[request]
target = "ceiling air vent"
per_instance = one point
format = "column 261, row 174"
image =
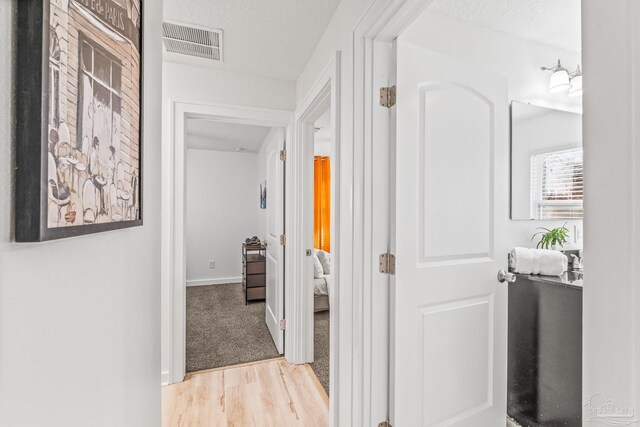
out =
column 193, row 41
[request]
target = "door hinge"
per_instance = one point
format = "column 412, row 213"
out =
column 283, row 239
column 385, row 424
column 283, row 155
column 388, row 96
column 283, row 324
column 388, row 264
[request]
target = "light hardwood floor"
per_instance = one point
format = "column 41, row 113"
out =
column 268, row 393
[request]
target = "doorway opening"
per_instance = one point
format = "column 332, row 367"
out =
column 457, row 69
column 322, row 259
column 493, row 106
column 238, row 133
column 317, row 298
column 234, row 216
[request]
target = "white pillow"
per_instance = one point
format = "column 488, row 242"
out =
column 318, row 272
column 325, row 260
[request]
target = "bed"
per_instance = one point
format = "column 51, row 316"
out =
column 321, row 294
column 322, row 280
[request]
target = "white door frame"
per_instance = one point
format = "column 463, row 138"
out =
column 372, row 205
column 173, row 211
column 323, row 94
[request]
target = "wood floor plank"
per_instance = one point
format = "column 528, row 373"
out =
column 239, row 376
column 318, row 385
column 304, row 393
column 262, row 394
column 239, row 405
column 209, row 401
column 274, row 396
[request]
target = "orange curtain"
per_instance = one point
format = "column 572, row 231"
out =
column 322, row 203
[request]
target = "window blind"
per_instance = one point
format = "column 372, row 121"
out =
column 557, row 184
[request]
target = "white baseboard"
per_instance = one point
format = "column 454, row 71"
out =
column 221, row 281
column 164, row 378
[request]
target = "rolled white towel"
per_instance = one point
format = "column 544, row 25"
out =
column 538, row 261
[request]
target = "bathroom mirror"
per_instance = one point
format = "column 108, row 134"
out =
column 546, row 163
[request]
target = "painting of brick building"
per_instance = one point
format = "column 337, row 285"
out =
column 94, row 110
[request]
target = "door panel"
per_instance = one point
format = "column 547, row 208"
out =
column 451, row 186
column 456, row 387
column 460, row 157
column 275, row 252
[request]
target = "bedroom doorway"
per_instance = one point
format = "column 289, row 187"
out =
column 234, row 216
column 322, row 262
column 316, row 290
column 242, row 134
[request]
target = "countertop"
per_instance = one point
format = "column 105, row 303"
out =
column 571, row 279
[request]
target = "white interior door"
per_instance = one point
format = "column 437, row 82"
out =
column 275, row 251
column 449, row 311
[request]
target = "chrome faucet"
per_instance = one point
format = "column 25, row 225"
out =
column 576, row 264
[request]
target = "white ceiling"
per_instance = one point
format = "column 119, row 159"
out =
column 264, row 37
column 551, row 22
column 210, row 135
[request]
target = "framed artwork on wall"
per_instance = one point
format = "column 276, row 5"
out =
column 263, row 195
column 78, row 117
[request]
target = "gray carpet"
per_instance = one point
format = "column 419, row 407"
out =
column 320, row 365
column 222, row 330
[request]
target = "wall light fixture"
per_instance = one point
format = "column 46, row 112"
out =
column 562, row 81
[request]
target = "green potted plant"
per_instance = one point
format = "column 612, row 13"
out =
column 553, row 238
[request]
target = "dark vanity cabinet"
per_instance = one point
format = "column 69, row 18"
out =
column 544, row 380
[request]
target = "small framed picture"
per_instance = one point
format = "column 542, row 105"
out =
column 263, row 195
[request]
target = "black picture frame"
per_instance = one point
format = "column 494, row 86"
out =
column 31, row 183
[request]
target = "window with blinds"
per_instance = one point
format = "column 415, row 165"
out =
column 557, row 187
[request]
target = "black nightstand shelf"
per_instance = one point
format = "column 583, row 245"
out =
column 254, row 271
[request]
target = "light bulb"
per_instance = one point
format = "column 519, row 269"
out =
column 559, row 81
column 576, row 83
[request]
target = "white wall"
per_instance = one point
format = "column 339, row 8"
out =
column 322, row 148
column 200, row 85
column 221, row 205
column 517, row 59
column 322, row 135
column 79, row 317
column 611, row 297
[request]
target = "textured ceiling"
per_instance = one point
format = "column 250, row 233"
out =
column 551, row 22
column 210, row 135
column 264, row 37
